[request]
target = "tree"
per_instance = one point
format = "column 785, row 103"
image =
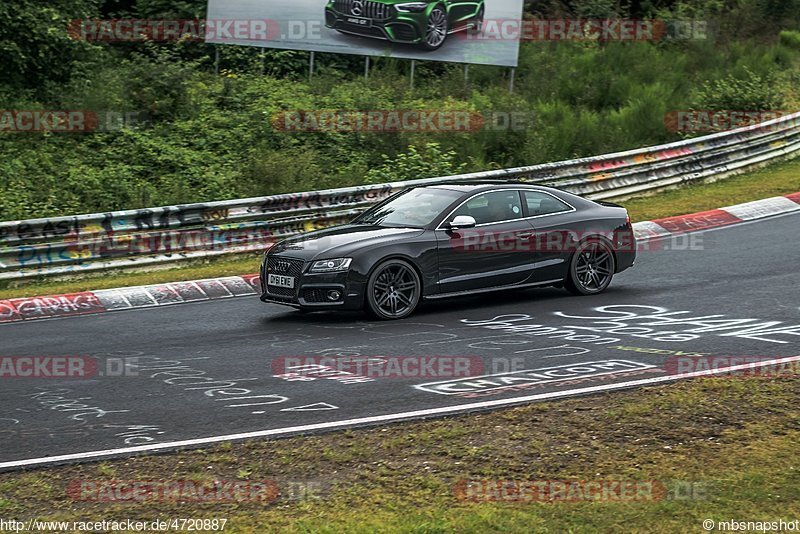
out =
column 36, row 50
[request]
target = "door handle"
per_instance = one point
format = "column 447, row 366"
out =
column 525, row 235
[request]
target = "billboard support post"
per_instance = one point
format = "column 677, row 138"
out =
column 411, row 85
column 466, row 75
column 216, row 60
column 366, row 68
column 310, row 65
column 511, row 80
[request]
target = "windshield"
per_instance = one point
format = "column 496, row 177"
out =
column 416, row 208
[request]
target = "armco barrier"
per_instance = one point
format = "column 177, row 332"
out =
column 63, row 245
column 128, row 298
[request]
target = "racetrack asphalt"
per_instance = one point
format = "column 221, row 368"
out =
column 196, row 373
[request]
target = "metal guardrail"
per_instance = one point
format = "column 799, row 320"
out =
column 64, row 245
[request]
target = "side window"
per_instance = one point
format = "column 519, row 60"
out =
column 492, row 207
column 543, row 204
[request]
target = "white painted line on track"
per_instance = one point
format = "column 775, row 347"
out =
column 382, row 418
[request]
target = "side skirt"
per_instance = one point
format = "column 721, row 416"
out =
column 491, row 289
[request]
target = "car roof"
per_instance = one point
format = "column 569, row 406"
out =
column 466, row 187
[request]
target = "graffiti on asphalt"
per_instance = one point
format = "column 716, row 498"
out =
column 530, row 377
column 653, row 323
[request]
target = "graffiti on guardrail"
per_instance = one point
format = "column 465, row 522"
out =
column 172, row 233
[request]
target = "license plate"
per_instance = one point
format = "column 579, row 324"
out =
column 358, row 21
column 280, row 281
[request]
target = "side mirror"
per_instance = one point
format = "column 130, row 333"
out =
column 462, row 221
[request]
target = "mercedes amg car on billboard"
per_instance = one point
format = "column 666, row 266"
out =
column 476, row 32
column 426, row 24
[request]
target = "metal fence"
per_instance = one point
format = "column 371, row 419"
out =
column 63, row 245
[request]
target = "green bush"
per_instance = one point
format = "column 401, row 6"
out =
column 790, row 39
column 749, row 93
column 429, row 162
column 212, row 137
column 36, row 50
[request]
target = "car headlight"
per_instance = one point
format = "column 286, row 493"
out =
column 327, row 266
column 411, row 7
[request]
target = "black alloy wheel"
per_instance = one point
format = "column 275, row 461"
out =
column 393, row 290
column 591, row 268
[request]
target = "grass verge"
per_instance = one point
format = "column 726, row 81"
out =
column 232, row 265
column 724, row 447
column 777, row 179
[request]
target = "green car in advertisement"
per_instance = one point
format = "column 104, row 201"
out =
column 426, row 24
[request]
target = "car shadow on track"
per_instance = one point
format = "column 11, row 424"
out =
column 531, row 299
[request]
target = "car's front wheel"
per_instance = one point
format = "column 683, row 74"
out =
column 436, row 28
column 393, row 290
column 591, row 268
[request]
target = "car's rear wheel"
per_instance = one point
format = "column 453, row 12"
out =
column 591, row 268
column 393, row 290
column 436, row 28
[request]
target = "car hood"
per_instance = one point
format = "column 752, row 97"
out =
column 339, row 241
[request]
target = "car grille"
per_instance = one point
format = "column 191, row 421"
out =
column 315, row 295
column 404, row 32
column 369, row 9
column 361, row 30
column 292, row 268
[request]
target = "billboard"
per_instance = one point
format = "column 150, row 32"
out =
column 439, row 30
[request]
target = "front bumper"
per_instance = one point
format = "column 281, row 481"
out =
column 311, row 290
column 387, row 24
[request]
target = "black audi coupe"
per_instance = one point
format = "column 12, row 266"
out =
column 446, row 240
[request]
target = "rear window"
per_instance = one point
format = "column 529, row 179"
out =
column 543, row 204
